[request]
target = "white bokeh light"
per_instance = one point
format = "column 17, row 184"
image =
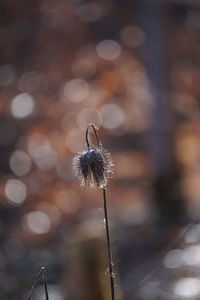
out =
column 108, row 49
column 45, row 157
column 22, row 106
column 173, row 259
column 76, row 90
column 38, row 222
column 113, row 116
column 20, row 163
column 193, row 235
column 15, row 191
column 191, row 255
column 188, row 287
column 87, row 116
column 42, row 152
column 36, row 140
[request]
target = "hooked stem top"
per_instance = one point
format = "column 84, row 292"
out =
column 87, row 135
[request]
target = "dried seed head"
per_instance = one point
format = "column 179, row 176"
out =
column 94, row 167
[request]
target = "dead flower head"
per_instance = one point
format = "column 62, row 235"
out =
column 93, row 166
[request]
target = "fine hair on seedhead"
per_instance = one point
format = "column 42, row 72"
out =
column 93, row 166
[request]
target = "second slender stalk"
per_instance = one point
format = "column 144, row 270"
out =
column 45, row 285
column 43, row 274
column 110, row 263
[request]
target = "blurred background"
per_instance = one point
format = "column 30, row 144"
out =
column 132, row 69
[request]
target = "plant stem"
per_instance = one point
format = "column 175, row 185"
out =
column 42, row 272
column 35, row 282
column 45, row 285
column 110, row 263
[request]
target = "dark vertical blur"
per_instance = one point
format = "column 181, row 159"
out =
column 152, row 17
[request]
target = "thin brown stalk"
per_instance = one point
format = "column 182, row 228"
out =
column 110, row 263
column 94, row 167
column 45, row 284
column 41, row 273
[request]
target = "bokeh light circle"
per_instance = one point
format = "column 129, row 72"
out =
column 20, row 163
column 15, row 191
column 187, row 287
column 22, row 106
column 108, row 49
column 87, row 116
column 76, row 90
column 113, row 116
column 173, row 259
column 38, row 222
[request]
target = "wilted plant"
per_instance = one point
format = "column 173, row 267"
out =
column 94, row 166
